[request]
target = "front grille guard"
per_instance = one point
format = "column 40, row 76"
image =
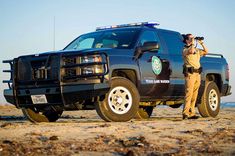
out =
column 10, row 81
column 14, row 83
column 13, row 72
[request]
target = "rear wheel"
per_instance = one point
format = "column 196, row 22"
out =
column 47, row 115
column 210, row 102
column 121, row 103
column 144, row 112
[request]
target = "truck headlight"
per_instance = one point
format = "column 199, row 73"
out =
column 91, row 59
column 94, row 69
column 76, row 66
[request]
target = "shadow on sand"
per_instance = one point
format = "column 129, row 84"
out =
column 12, row 118
column 81, row 119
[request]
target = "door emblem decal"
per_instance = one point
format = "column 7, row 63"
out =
column 156, row 65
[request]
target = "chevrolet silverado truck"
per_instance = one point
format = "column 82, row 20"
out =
column 121, row 71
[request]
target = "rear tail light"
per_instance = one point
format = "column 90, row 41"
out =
column 227, row 73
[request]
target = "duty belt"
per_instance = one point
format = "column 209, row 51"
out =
column 197, row 70
column 191, row 70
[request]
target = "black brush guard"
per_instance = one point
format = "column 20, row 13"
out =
column 37, row 75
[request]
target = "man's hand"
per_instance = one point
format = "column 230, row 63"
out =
column 205, row 50
column 200, row 41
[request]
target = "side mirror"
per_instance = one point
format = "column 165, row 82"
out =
column 150, row 46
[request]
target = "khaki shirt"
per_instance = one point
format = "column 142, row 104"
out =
column 192, row 60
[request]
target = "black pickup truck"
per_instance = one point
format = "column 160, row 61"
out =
column 122, row 71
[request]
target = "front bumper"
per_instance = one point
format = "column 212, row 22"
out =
column 76, row 93
column 61, row 95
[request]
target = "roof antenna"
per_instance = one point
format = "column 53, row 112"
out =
column 54, row 34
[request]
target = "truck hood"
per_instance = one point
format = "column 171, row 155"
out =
column 70, row 51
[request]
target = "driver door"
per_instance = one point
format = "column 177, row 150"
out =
column 154, row 69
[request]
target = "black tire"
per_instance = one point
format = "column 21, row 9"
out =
column 49, row 115
column 175, row 105
column 114, row 107
column 144, row 112
column 210, row 101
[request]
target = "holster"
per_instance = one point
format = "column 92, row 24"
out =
column 191, row 70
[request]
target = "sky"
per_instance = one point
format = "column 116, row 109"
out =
column 27, row 27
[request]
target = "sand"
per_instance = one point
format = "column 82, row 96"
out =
column 84, row 133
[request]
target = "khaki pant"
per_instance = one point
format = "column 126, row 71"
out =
column 192, row 84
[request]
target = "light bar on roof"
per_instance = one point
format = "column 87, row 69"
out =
column 148, row 24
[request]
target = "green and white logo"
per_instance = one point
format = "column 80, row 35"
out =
column 156, row 65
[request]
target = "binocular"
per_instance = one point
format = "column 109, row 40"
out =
column 199, row 38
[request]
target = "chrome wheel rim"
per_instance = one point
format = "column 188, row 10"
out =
column 120, row 100
column 213, row 100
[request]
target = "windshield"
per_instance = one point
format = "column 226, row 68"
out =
column 120, row 39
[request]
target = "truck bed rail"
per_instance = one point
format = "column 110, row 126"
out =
column 215, row 55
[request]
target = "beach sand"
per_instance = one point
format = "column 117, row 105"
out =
column 84, row 133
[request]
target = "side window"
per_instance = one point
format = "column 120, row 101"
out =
column 173, row 42
column 148, row 36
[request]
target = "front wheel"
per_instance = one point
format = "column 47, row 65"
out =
column 210, row 102
column 47, row 115
column 121, row 103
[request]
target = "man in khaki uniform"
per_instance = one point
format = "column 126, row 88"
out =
column 192, row 70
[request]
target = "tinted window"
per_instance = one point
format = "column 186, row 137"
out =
column 120, row 39
column 147, row 36
column 173, row 41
